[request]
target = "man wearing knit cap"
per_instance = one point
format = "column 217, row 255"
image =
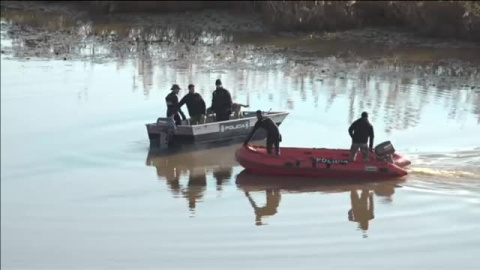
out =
column 172, row 105
column 221, row 102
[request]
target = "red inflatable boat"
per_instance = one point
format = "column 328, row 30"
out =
column 319, row 163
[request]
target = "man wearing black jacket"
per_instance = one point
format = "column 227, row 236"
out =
column 360, row 131
column 221, row 102
column 273, row 134
column 172, row 105
column 195, row 104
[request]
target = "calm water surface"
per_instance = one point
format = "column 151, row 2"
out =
column 80, row 187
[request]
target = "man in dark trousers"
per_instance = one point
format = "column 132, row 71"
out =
column 360, row 131
column 273, row 134
column 221, row 102
column 195, row 104
column 172, row 105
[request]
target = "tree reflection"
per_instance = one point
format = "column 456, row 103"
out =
column 393, row 85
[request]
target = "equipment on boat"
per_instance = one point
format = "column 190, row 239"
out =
column 384, row 151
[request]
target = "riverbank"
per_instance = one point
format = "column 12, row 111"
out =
column 268, row 18
column 222, row 40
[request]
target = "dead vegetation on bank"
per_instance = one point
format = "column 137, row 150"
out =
column 447, row 19
column 444, row 19
column 164, row 6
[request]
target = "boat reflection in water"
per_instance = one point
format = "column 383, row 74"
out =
column 361, row 193
column 186, row 170
column 194, row 163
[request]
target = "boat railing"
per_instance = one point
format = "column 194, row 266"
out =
column 210, row 120
column 272, row 114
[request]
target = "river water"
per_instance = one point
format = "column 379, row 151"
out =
column 80, row 187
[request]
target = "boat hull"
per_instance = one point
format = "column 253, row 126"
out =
column 324, row 163
column 231, row 130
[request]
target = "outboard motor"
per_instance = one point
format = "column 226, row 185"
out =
column 384, row 151
column 167, row 133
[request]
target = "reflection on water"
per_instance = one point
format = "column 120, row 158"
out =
column 197, row 181
column 222, row 176
column 391, row 84
column 362, row 208
column 192, row 164
column 272, row 202
column 361, row 194
column 76, row 183
column 186, row 173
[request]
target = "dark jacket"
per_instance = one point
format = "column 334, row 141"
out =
column 272, row 129
column 361, row 130
column 195, row 104
column 221, row 101
column 172, row 105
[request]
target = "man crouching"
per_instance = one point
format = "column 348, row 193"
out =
column 273, row 134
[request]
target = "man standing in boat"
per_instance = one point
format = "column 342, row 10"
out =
column 360, row 131
column 273, row 134
column 221, row 102
column 172, row 105
column 195, row 104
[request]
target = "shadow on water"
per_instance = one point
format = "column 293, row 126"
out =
column 361, row 193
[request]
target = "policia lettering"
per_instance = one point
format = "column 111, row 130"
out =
column 330, row 161
column 316, row 161
column 236, row 126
